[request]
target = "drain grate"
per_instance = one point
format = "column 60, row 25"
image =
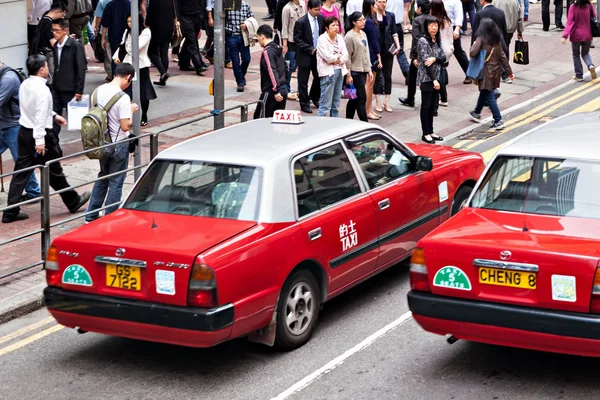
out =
column 478, row 135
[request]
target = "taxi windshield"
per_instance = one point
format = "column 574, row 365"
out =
column 199, row 188
column 549, row 186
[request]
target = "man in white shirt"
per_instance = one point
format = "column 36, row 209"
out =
column 454, row 9
column 37, row 144
column 119, row 123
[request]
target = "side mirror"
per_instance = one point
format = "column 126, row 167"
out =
column 423, row 163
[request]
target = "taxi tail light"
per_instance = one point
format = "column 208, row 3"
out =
column 418, row 271
column 53, row 275
column 595, row 303
column 203, row 287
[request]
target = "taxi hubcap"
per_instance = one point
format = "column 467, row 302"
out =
column 299, row 308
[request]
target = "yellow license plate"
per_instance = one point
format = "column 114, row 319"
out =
column 123, row 277
column 504, row 277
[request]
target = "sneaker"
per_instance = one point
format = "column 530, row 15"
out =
column 269, row 16
column 578, row 78
column 497, row 126
column 507, row 80
column 240, row 88
column 592, row 70
column 475, row 117
column 443, row 103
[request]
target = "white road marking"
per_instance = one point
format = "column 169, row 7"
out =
column 340, row 359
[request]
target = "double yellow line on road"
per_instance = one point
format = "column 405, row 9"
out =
column 537, row 113
column 30, row 339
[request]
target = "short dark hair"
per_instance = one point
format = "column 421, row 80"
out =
column 330, row 20
column 124, row 69
column 424, row 5
column 314, row 3
column 265, row 30
column 35, row 63
column 59, row 5
column 62, row 22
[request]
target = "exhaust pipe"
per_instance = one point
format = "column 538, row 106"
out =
column 451, row 339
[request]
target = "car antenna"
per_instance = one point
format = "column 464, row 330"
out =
column 154, row 226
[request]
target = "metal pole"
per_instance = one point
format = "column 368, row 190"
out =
column 219, row 43
column 45, row 205
column 135, row 35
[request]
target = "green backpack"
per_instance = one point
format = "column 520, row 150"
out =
column 94, row 127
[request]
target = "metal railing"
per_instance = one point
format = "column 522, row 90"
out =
column 44, row 199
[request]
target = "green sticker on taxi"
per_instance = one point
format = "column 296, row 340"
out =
column 76, row 275
column 453, row 278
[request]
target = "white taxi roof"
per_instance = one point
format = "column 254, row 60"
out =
column 571, row 136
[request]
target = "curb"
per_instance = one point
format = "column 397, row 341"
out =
column 25, row 302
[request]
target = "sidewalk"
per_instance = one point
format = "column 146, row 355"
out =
column 186, row 96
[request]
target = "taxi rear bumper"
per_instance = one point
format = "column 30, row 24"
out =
column 155, row 322
column 507, row 325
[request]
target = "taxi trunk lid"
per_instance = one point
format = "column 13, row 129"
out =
column 141, row 255
column 533, row 260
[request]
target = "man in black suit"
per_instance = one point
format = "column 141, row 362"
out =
column 306, row 32
column 69, row 69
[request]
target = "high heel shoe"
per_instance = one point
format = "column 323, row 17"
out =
column 378, row 109
column 387, row 107
column 423, row 138
column 373, row 117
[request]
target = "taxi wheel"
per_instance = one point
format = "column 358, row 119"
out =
column 297, row 311
column 460, row 199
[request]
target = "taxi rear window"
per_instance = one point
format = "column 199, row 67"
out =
column 549, row 186
column 199, row 188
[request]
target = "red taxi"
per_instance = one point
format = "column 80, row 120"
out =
column 519, row 265
column 248, row 230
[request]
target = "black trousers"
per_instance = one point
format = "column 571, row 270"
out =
column 190, row 28
column 59, row 103
column 158, row 51
column 31, row 29
column 271, row 105
column 460, row 54
column 386, row 76
column 28, row 158
column 315, row 88
column 412, row 83
column 507, row 40
column 558, row 12
column 358, row 105
column 429, row 99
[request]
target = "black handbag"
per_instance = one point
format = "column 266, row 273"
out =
column 595, row 24
column 521, row 55
column 122, row 49
column 443, row 76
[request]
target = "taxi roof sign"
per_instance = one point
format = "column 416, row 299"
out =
column 287, row 117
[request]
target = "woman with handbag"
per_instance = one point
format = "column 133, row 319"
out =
column 431, row 58
column 579, row 31
column 371, row 29
column 447, row 42
column 358, row 64
column 124, row 54
column 489, row 40
column 331, row 64
column 161, row 21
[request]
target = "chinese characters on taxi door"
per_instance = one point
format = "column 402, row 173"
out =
column 348, row 235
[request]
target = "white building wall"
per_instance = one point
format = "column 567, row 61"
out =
column 13, row 39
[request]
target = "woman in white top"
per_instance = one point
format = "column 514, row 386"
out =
column 332, row 56
column 147, row 92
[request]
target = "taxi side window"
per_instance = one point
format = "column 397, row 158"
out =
column 324, row 178
column 381, row 161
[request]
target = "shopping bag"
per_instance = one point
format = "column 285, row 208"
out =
column 521, row 55
column 76, row 110
column 349, row 91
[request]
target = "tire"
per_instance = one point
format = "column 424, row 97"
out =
column 300, row 300
column 461, row 196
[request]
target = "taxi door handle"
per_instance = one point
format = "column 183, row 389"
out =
column 383, row 204
column 314, row 234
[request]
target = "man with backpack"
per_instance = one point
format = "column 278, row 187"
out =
column 37, row 143
column 114, row 109
column 10, row 81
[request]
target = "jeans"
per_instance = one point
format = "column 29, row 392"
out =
column 291, row 57
column 488, row 97
column 581, row 50
column 469, row 8
column 118, row 161
column 90, row 32
column 331, row 93
column 240, row 57
column 9, row 139
column 401, row 56
column 526, row 10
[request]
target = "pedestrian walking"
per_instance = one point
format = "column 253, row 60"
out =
column 558, row 12
column 189, row 13
column 579, row 31
column 514, row 23
column 119, row 123
column 239, row 51
column 291, row 13
column 417, row 31
column 37, row 144
column 160, row 19
column 100, row 7
column 114, row 24
column 447, row 33
column 272, row 73
column 43, row 42
column 10, row 82
column 147, row 92
column 70, row 65
column 492, row 12
column 37, row 11
column 306, row 35
column 78, row 15
column 332, row 56
column 397, row 7
column 453, row 9
column 374, row 41
column 358, row 65
column 468, row 7
column 489, row 39
column 431, row 58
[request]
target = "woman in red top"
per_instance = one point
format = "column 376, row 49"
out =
column 579, row 30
